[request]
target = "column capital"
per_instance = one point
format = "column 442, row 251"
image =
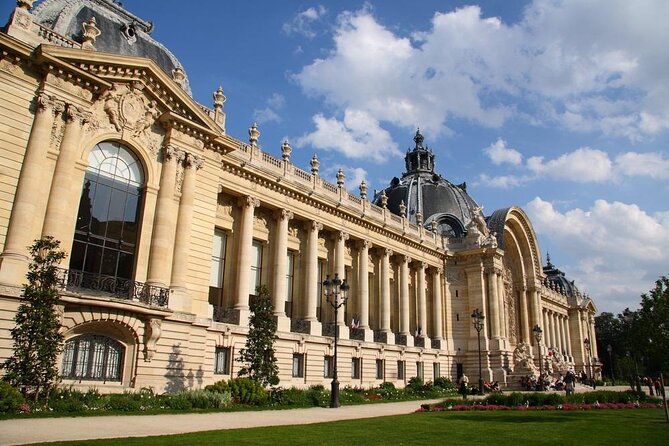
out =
column 313, row 226
column 76, row 114
column 193, row 161
column 436, row 270
column 341, row 236
column 248, row 201
column 362, row 244
column 171, row 152
column 283, row 214
column 47, row 102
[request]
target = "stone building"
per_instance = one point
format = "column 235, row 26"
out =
column 170, row 224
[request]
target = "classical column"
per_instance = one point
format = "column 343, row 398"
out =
column 363, row 283
column 162, row 238
column 14, row 258
column 547, row 329
column 311, row 286
column 593, row 338
column 384, row 307
column 437, row 305
column 567, row 331
column 248, row 205
column 555, row 332
column 536, row 306
column 493, row 303
column 182, row 237
column 421, row 301
column 59, row 220
column 340, row 266
column 404, row 296
column 503, row 318
column 524, row 320
column 563, row 341
column 279, row 288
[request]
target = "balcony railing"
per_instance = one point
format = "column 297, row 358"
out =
column 78, row 281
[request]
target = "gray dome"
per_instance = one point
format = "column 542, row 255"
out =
column 557, row 280
column 121, row 31
column 427, row 195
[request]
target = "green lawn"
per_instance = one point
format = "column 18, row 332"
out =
column 496, row 428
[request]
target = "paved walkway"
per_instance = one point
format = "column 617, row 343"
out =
column 34, row 430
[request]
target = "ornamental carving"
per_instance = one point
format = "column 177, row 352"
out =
column 152, row 331
column 522, row 361
column 127, row 107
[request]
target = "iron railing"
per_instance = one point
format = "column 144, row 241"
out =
column 127, row 289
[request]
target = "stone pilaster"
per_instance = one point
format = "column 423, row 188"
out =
column 245, row 242
column 279, row 289
column 437, row 307
column 311, row 286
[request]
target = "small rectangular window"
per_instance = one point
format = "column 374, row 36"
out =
column 400, row 369
column 356, row 368
column 222, row 361
column 298, row 365
column 328, row 366
column 217, row 259
column 436, row 369
column 419, row 370
column 379, row 369
column 256, row 267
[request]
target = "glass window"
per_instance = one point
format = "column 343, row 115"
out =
column 93, row 357
column 400, row 369
column 222, row 361
column 379, row 369
column 256, row 267
column 298, row 365
column 356, row 368
column 419, row 370
column 328, row 366
column 107, row 226
column 436, row 369
column 290, row 272
column 218, row 259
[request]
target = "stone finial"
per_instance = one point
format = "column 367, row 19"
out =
column 403, row 209
column 179, row 76
column 419, row 218
column 219, row 99
column 315, row 164
column 363, row 190
column 254, row 134
column 384, row 199
column 91, row 33
column 340, row 177
column 25, row 4
column 286, row 150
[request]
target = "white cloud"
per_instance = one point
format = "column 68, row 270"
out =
column 353, row 177
column 582, row 165
column 616, row 249
column 589, row 66
column 500, row 182
column 358, row 136
column 499, row 153
column 304, row 22
column 653, row 165
column 270, row 113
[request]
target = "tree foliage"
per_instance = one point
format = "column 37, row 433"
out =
column 36, row 337
column 258, row 354
column 639, row 339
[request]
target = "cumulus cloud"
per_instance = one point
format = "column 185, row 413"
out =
column 305, row 21
column 353, row 176
column 357, row 136
column 594, row 237
column 499, row 153
column 653, row 165
column 583, row 165
column 501, row 182
column 597, row 66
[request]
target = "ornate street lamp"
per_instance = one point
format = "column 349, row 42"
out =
column 537, row 335
column 336, row 295
column 613, row 376
column 477, row 320
column 586, row 343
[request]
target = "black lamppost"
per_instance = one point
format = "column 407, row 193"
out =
column 477, row 319
column 613, row 375
column 586, row 343
column 336, row 295
column 537, row 335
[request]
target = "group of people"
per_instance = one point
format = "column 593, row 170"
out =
column 654, row 385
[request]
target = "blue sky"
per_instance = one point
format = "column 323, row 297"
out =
column 560, row 107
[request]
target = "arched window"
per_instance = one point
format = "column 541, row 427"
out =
column 93, row 357
column 105, row 237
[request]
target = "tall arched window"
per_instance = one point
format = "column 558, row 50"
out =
column 105, row 237
column 93, row 357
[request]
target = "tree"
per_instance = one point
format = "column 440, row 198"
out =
column 258, row 354
column 654, row 324
column 36, row 336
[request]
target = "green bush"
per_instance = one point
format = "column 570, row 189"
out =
column 124, row 402
column 292, row 397
column 179, row 401
column 205, row 399
column 10, row 398
column 243, row 390
column 444, row 383
column 318, row 396
column 352, row 395
column 415, row 384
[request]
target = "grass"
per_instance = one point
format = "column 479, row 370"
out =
column 501, row 428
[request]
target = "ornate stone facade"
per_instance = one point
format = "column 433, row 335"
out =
column 214, row 216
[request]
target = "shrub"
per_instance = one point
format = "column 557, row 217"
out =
column 200, row 399
column 318, row 396
column 292, row 397
column 242, row 390
column 444, row 383
column 352, row 395
column 10, row 398
column 415, row 384
column 124, row 402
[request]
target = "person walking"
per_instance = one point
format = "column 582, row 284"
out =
column 464, row 382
